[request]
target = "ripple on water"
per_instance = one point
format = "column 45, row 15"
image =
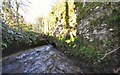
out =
column 23, row 60
column 38, row 62
column 42, row 59
column 51, row 53
column 49, row 62
column 21, row 56
column 11, row 67
column 41, row 67
column 32, row 53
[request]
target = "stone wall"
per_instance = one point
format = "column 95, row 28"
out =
column 87, row 32
column 96, row 27
column 91, row 22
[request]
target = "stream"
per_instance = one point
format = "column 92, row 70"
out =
column 43, row 59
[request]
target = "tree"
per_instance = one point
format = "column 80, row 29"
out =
column 40, row 25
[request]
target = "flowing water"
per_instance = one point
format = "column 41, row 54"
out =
column 43, row 59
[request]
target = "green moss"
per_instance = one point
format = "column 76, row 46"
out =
column 78, row 46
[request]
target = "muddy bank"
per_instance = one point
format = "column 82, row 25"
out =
column 14, row 47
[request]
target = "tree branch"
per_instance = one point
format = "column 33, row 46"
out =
column 107, row 54
column 110, row 52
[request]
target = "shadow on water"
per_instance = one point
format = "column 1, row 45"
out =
column 14, row 48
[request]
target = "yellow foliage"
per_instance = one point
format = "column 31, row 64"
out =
column 68, row 41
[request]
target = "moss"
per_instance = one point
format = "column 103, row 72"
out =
column 77, row 45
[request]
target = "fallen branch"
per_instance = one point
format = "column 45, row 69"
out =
column 107, row 54
column 110, row 52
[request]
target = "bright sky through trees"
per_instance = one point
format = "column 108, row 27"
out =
column 36, row 9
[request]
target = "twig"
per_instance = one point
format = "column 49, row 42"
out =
column 107, row 54
column 110, row 52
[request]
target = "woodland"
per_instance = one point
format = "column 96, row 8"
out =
column 86, row 31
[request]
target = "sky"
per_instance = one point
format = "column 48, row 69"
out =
column 36, row 9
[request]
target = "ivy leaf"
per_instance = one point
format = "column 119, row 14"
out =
column 72, row 39
column 67, row 41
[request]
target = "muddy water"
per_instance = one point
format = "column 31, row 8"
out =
column 43, row 59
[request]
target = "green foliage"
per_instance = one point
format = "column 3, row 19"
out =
column 84, row 11
column 14, row 30
column 77, row 45
column 11, row 35
column 114, row 19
